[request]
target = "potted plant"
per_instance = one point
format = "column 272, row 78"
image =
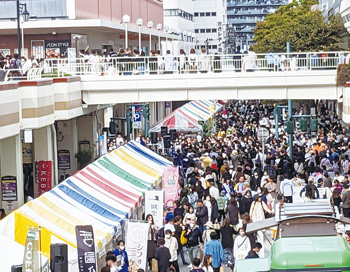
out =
column 84, row 157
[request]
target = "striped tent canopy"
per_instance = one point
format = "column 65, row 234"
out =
column 179, row 121
column 103, row 195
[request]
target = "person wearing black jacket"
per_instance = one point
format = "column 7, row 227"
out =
column 227, row 240
column 254, row 252
column 214, row 210
column 194, row 238
column 245, row 203
column 202, row 215
column 163, row 256
column 178, row 232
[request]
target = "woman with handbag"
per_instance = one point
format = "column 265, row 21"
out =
column 258, row 209
column 151, row 244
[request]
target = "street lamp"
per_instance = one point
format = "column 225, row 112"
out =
column 21, row 10
column 126, row 20
column 150, row 25
column 166, row 30
column 139, row 22
column 159, row 27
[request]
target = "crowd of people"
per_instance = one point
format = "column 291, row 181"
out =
column 228, row 182
column 19, row 66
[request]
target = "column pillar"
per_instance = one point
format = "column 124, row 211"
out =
column 45, row 150
column 11, row 165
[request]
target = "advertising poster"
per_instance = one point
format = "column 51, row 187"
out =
column 170, row 185
column 27, row 153
column 136, row 244
column 31, row 256
column 9, row 188
column 63, row 159
column 44, row 176
column 137, row 116
column 86, row 248
column 56, row 48
column 154, row 206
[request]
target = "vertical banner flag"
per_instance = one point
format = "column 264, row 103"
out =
column 86, row 248
column 44, row 176
column 31, row 256
column 136, row 244
column 154, row 205
column 170, row 185
column 137, row 116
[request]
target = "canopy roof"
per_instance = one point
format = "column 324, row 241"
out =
column 179, row 121
column 103, row 195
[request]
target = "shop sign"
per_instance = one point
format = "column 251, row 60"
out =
column 9, row 188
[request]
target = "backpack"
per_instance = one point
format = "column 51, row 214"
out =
column 13, row 64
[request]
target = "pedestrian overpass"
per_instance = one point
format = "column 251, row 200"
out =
column 297, row 76
column 97, row 90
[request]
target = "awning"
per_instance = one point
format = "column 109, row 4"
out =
column 260, row 225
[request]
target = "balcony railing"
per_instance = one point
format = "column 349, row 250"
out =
column 192, row 64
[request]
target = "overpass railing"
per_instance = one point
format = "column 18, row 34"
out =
column 158, row 65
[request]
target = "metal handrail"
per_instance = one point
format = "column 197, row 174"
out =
column 17, row 74
column 151, row 65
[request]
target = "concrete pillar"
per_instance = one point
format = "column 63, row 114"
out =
column 45, row 149
column 152, row 113
column 67, row 139
column 346, row 104
column 11, row 165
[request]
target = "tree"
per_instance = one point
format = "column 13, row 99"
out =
column 300, row 24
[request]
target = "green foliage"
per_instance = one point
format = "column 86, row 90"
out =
column 84, row 157
column 208, row 128
column 298, row 24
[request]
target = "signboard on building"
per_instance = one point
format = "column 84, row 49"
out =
column 86, row 248
column 154, row 206
column 57, row 48
column 63, row 159
column 44, row 176
column 9, row 188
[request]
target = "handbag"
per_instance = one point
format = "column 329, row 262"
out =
column 216, row 226
column 183, row 239
column 154, row 265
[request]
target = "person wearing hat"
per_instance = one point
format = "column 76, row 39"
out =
column 206, row 160
column 209, row 229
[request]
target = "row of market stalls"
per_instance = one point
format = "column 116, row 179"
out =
column 104, row 194
column 187, row 117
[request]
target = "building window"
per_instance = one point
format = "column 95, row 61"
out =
column 213, row 30
column 202, row 46
column 202, row 14
column 196, row 14
column 178, row 12
column 215, row 47
column 208, row 30
column 196, row 31
column 207, row 14
column 202, row 30
column 213, row 14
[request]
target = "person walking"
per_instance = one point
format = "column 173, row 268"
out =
column 345, row 197
column 172, row 245
column 163, row 256
column 227, row 233
column 202, row 215
column 194, row 240
column 215, row 249
column 207, row 263
column 241, row 245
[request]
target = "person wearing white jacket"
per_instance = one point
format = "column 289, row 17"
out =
column 172, row 245
column 241, row 245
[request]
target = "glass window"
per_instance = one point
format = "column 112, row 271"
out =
column 166, row 12
column 202, row 30
column 196, row 31
column 202, row 14
column 207, row 14
column 215, row 47
column 208, row 30
column 213, row 14
column 196, row 14
column 214, row 30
